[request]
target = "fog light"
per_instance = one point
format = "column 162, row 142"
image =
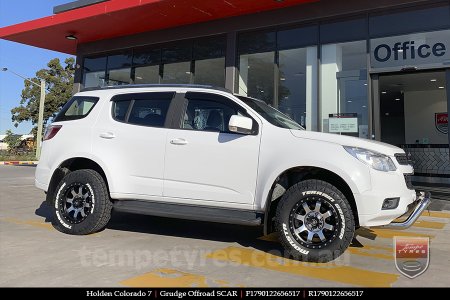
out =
column 390, row 203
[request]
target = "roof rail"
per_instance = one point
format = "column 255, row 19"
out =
column 126, row 86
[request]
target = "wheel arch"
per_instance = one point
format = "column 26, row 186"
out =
column 291, row 176
column 70, row 165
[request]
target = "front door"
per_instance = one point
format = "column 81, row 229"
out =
column 414, row 116
column 204, row 160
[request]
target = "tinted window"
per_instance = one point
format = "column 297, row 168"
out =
column 94, row 64
column 177, row 53
column 410, row 21
column 147, row 57
column 149, row 112
column 119, row 61
column 94, row 72
column 207, row 115
column 120, row 109
column 209, row 48
column 77, row 108
column 296, row 38
column 255, row 42
column 348, row 30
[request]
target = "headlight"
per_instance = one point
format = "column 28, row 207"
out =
column 376, row 160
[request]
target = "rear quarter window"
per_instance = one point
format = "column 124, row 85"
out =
column 77, row 108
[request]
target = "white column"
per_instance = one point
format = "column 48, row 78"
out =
column 311, row 88
column 243, row 75
column 331, row 64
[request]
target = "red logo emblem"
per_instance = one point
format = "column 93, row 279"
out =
column 441, row 122
column 412, row 255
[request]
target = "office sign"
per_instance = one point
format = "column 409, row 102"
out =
column 346, row 122
column 411, row 51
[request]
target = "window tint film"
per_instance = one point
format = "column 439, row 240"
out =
column 207, row 115
column 151, row 111
column 120, row 109
column 77, row 108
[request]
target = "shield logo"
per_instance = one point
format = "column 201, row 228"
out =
column 441, row 122
column 412, row 255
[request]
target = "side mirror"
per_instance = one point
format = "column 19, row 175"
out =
column 240, row 124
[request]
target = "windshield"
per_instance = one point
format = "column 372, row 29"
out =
column 269, row 113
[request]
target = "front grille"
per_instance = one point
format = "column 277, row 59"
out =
column 402, row 159
column 408, row 180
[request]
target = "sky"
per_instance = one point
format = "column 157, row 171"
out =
column 22, row 59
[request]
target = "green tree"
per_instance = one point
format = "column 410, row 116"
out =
column 13, row 141
column 59, row 86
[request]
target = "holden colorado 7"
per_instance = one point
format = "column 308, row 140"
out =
column 203, row 153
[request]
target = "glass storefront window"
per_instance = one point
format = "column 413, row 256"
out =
column 209, row 61
column 297, row 78
column 94, row 79
column 177, row 73
column 94, row 70
column 257, row 76
column 210, row 72
column 285, row 78
column 177, row 64
column 146, row 62
column 119, row 76
column 119, row 69
column 344, row 88
column 147, row 74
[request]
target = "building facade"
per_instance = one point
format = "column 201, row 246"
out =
column 370, row 69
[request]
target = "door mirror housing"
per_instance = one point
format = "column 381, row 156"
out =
column 240, row 124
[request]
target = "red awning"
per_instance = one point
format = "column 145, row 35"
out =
column 117, row 18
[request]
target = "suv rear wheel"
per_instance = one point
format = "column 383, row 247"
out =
column 315, row 221
column 81, row 204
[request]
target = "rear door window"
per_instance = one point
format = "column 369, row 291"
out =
column 146, row 109
column 77, row 108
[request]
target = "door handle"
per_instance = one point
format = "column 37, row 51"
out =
column 178, row 142
column 107, row 135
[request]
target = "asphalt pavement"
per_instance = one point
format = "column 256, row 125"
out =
column 145, row 251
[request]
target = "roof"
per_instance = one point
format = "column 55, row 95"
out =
column 115, row 18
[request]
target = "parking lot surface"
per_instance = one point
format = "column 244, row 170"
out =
column 145, row 251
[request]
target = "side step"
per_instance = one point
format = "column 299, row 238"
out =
column 190, row 212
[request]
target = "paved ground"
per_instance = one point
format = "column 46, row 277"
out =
column 152, row 252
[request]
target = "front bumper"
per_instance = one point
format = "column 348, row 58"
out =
column 416, row 209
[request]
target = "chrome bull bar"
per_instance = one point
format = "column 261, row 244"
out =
column 421, row 203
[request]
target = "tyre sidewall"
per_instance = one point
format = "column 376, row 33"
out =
column 333, row 197
column 94, row 185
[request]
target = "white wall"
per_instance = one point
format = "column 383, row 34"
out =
column 331, row 63
column 420, row 110
column 311, row 88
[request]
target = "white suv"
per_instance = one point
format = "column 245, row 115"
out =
column 202, row 153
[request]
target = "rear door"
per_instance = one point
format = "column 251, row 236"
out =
column 130, row 139
column 204, row 160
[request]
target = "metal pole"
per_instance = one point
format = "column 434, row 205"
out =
column 40, row 120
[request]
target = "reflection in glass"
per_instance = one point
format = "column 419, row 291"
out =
column 177, row 73
column 119, row 76
column 292, row 84
column 94, row 72
column 94, row 79
column 344, row 83
column 119, row 61
column 210, row 72
column 256, row 76
column 148, row 74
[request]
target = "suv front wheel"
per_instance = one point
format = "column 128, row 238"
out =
column 314, row 221
column 81, row 204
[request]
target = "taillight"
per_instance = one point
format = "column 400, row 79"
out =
column 51, row 131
